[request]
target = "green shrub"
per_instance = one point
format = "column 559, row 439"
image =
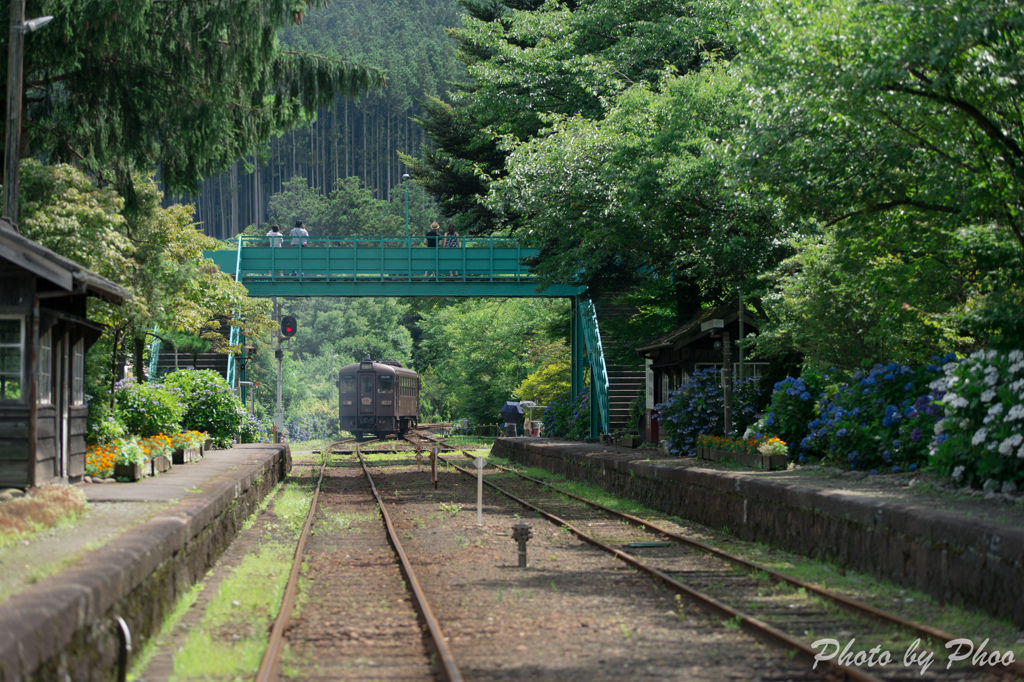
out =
column 147, row 409
column 103, row 425
column 210, row 404
column 980, row 438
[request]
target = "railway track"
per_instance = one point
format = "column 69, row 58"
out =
column 770, row 605
column 351, row 626
column 366, row 635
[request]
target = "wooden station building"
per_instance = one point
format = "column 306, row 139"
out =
column 673, row 357
column 44, row 335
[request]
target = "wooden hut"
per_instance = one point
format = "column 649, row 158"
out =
column 671, row 358
column 44, row 335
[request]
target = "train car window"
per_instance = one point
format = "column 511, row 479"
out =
column 348, row 384
column 385, row 383
column 366, row 383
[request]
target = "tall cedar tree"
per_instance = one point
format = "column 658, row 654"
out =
column 187, row 87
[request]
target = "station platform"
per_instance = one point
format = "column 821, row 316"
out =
column 962, row 547
column 139, row 547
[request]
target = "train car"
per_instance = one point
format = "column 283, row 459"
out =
column 382, row 398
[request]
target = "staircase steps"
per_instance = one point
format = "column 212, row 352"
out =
column 218, row 362
column 625, row 382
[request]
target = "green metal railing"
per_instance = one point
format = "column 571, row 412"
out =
column 383, row 266
column 600, row 419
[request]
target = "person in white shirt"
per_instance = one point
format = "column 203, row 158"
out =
column 297, row 233
column 275, row 237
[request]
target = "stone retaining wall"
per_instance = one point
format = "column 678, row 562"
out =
column 953, row 557
column 64, row 627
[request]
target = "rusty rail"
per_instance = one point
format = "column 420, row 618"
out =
column 270, row 665
column 450, row 669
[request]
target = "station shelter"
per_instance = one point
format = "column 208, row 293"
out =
column 673, row 357
column 44, row 335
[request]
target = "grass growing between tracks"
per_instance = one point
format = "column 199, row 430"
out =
column 909, row 604
column 228, row 639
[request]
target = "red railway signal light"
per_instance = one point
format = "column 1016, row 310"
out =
column 288, row 326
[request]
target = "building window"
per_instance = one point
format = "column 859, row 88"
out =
column 78, row 373
column 12, row 343
column 44, row 383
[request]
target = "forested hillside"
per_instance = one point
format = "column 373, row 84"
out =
column 352, row 138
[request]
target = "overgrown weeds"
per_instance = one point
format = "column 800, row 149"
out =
column 43, row 508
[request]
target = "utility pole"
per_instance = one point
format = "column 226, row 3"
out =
column 727, row 381
column 279, row 354
column 15, row 73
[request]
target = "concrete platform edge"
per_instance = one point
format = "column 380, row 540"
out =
column 64, row 629
column 955, row 558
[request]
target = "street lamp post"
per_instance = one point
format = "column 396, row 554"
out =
column 405, row 179
column 12, row 140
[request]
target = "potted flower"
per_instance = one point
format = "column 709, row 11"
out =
column 187, row 446
column 132, row 461
column 159, row 450
column 773, row 453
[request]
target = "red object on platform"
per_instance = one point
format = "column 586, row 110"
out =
column 652, row 426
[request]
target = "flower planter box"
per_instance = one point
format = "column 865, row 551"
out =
column 133, row 472
column 207, row 445
column 755, row 460
column 186, row 455
column 628, row 441
column 159, row 464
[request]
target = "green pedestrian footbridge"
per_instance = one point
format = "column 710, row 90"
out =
column 404, row 266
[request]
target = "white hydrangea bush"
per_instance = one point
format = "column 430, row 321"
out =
column 981, row 436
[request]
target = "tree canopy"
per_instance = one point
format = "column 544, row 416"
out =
column 185, row 87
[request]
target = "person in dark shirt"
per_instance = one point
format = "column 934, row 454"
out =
column 431, row 241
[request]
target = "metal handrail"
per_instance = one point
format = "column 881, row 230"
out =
column 598, row 371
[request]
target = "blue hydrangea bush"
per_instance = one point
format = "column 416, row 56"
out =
column 697, row 407
column 880, row 420
column 793, row 405
column 981, row 435
column 568, row 416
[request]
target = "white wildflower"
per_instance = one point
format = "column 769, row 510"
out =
column 959, row 403
column 1016, row 412
column 1015, row 356
column 977, row 355
column 979, row 436
column 991, row 354
column 1020, row 453
column 991, row 379
column 996, row 410
column 988, row 395
column 1017, row 385
column 988, row 419
column 991, row 446
column 958, row 472
column 950, row 397
column 1016, row 367
column 940, row 426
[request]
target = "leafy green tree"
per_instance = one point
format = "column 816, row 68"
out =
column 528, row 60
column 900, row 125
column 474, row 353
column 646, row 190
column 156, row 253
column 546, row 383
column 187, row 87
